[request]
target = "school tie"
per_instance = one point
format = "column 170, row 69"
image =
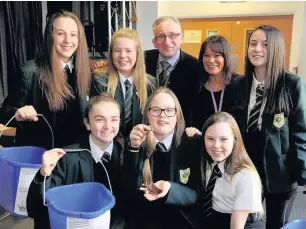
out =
column 208, row 195
column 163, row 76
column 160, row 147
column 106, row 157
column 255, row 111
column 128, row 101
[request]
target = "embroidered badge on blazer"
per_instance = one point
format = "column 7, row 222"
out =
column 279, row 120
column 184, row 175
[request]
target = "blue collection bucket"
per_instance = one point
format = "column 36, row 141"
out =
column 83, row 205
column 295, row 224
column 18, row 166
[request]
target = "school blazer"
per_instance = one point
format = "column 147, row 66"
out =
column 27, row 91
column 75, row 167
column 183, row 78
column 284, row 153
column 99, row 85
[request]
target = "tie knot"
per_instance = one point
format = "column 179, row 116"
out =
column 217, row 171
column 165, row 65
column 160, row 147
column 106, row 157
column 127, row 83
column 67, row 69
column 260, row 88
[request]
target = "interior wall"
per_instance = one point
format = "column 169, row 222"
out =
column 208, row 9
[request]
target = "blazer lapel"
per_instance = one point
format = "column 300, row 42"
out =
column 136, row 108
column 151, row 58
column 120, row 99
column 86, row 163
column 267, row 122
column 175, row 154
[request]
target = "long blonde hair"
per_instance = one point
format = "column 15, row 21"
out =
column 52, row 76
column 141, row 79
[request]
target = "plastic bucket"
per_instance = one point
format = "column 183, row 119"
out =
column 83, row 205
column 295, row 224
column 18, row 166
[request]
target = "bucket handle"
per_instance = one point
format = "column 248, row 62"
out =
column 39, row 115
column 75, row 151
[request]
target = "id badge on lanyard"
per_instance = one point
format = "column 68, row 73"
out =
column 217, row 109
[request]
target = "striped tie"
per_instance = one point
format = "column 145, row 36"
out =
column 255, row 111
column 128, row 101
column 106, row 157
column 163, row 76
column 208, row 195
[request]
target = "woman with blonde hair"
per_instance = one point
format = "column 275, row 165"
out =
column 229, row 196
column 55, row 84
column 159, row 150
column 126, row 78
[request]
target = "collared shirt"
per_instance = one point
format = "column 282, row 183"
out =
column 253, row 100
column 243, row 192
column 97, row 152
column 172, row 61
column 167, row 141
column 122, row 81
column 70, row 64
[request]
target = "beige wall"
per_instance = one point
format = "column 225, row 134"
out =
column 189, row 9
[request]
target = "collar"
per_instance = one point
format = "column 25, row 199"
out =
column 256, row 82
column 220, row 165
column 70, row 64
column 97, row 152
column 167, row 141
column 123, row 79
column 172, row 60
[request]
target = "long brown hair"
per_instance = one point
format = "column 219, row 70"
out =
column 52, row 77
column 219, row 44
column 149, row 142
column 276, row 91
column 141, row 79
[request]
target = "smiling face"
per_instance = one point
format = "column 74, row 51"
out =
column 162, row 125
column 104, row 120
column 213, row 62
column 124, row 55
column 65, row 37
column 219, row 141
column 257, row 51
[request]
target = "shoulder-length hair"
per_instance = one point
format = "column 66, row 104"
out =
column 180, row 124
column 141, row 79
column 219, row 44
column 52, row 76
column 276, row 92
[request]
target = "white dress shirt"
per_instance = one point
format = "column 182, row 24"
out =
column 253, row 100
column 97, row 152
column 243, row 192
column 122, row 81
column 167, row 141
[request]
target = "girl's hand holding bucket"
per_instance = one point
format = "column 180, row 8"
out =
column 49, row 160
column 26, row 113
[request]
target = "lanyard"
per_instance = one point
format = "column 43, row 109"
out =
column 214, row 101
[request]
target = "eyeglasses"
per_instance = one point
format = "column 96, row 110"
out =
column 171, row 36
column 156, row 111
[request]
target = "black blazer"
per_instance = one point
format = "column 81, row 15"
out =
column 76, row 167
column 183, row 78
column 27, row 91
column 284, row 153
column 184, row 170
column 99, row 86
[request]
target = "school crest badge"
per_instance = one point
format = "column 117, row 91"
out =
column 184, row 175
column 279, row 120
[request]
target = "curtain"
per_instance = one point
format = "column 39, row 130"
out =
column 21, row 37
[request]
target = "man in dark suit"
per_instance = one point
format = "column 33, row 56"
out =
column 172, row 67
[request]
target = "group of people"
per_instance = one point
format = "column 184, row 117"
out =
column 245, row 140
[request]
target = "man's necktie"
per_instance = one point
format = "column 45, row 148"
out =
column 163, row 76
column 128, row 101
column 106, row 157
column 255, row 111
column 208, row 195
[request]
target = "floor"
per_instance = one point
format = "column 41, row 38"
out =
column 10, row 222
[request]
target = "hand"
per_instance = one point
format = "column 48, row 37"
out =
column 164, row 186
column 139, row 134
column 191, row 131
column 101, row 64
column 26, row 113
column 49, row 160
